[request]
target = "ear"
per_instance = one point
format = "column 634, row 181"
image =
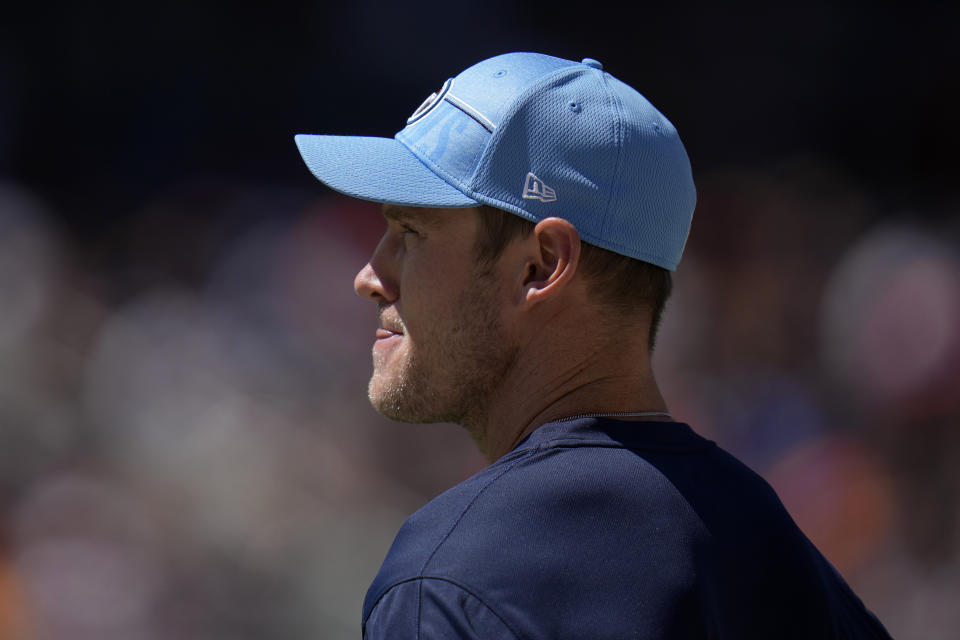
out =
column 555, row 258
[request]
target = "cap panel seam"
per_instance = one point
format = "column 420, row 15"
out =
column 618, row 119
column 470, row 193
column 519, row 100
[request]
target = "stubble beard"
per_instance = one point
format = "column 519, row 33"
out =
column 448, row 377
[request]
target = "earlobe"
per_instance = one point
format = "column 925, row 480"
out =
column 555, row 260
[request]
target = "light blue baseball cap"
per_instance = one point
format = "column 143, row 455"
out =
column 537, row 136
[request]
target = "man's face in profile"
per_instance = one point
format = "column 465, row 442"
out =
column 440, row 349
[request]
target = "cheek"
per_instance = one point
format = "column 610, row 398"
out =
column 429, row 297
column 434, row 280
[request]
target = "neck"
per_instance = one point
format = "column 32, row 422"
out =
column 615, row 381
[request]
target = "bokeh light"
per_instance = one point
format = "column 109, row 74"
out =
column 186, row 449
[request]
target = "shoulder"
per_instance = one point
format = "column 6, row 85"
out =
column 434, row 528
column 529, row 533
column 656, row 532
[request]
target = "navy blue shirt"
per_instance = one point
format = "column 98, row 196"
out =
column 597, row 528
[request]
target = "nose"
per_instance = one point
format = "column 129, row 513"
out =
column 375, row 282
column 368, row 285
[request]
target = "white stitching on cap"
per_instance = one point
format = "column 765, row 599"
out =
column 536, row 189
column 470, row 111
column 430, row 103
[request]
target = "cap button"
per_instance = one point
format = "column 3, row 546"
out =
column 590, row 62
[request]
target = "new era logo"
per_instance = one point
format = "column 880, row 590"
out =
column 535, row 189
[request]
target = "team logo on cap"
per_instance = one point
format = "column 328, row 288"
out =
column 432, row 101
column 536, row 189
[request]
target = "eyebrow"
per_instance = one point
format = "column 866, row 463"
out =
column 402, row 214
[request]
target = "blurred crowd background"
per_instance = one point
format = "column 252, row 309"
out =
column 186, row 450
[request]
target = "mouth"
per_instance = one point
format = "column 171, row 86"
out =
column 388, row 340
column 384, row 334
column 389, row 324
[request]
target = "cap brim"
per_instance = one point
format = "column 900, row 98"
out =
column 377, row 169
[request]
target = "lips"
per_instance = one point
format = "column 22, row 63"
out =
column 387, row 342
column 390, row 324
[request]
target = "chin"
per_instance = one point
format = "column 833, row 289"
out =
column 404, row 398
column 388, row 395
column 380, row 392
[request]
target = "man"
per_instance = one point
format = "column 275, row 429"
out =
column 535, row 208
